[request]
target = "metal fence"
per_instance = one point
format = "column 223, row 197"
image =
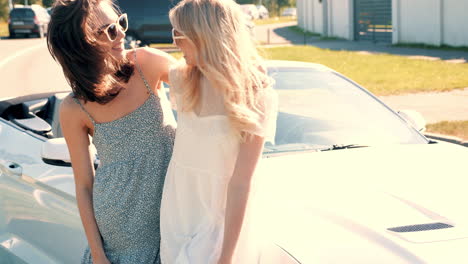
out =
column 373, row 20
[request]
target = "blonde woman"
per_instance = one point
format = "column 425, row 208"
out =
column 225, row 107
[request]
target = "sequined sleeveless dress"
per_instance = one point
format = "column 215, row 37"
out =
column 134, row 153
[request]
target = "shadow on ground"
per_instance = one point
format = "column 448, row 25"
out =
column 293, row 37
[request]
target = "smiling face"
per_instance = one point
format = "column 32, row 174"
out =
column 107, row 15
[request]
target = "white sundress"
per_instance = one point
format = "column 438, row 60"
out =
column 195, row 190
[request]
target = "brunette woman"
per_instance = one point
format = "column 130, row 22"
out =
column 117, row 100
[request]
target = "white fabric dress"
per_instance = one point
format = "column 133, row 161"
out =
column 194, row 195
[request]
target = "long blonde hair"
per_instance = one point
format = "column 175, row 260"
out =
column 226, row 55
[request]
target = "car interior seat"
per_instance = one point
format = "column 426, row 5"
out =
column 21, row 116
column 50, row 113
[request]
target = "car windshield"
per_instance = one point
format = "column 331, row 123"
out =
column 319, row 108
column 21, row 12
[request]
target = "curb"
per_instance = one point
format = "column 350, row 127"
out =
column 450, row 139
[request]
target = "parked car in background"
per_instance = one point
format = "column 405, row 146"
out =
column 262, row 12
column 290, row 11
column 148, row 20
column 28, row 21
column 250, row 10
column 344, row 179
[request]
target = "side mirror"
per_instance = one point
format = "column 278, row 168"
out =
column 55, row 152
column 414, row 118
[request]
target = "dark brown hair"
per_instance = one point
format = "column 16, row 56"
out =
column 93, row 74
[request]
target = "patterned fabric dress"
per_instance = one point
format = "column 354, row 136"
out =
column 134, row 153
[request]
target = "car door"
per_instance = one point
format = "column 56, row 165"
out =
column 39, row 220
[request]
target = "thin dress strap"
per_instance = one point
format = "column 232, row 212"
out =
column 141, row 74
column 84, row 110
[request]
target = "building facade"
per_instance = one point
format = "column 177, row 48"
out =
column 433, row 22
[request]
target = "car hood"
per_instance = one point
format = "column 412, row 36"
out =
column 404, row 202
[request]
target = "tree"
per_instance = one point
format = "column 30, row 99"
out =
column 4, row 10
column 241, row 2
column 275, row 6
column 286, row 3
column 29, row 2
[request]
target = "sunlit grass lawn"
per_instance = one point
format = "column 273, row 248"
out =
column 3, row 29
column 274, row 20
column 382, row 74
column 452, row 128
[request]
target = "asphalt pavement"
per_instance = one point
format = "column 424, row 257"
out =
column 27, row 67
column 435, row 107
column 280, row 34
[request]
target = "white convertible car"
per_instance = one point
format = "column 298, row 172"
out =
column 345, row 180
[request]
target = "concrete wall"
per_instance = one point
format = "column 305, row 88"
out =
column 310, row 15
column 433, row 22
column 317, row 17
column 455, row 21
column 301, row 13
column 340, row 18
column 416, row 25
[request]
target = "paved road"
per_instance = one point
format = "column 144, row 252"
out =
column 27, row 67
column 435, row 107
column 268, row 34
column 281, row 35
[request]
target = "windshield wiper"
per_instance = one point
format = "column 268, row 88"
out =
column 291, row 148
column 304, row 148
column 344, row 146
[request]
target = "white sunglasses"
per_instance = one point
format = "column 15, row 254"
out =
column 177, row 35
column 111, row 30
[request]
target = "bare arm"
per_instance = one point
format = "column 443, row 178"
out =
column 159, row 62
column 76, row 135
column 238, row 194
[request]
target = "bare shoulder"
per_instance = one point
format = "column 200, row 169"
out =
column 70, row 111
column 147, row 55
column 68, row 105
column 156, row 53
column 156, row 62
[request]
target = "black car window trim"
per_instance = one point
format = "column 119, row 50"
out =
column 384, row 105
